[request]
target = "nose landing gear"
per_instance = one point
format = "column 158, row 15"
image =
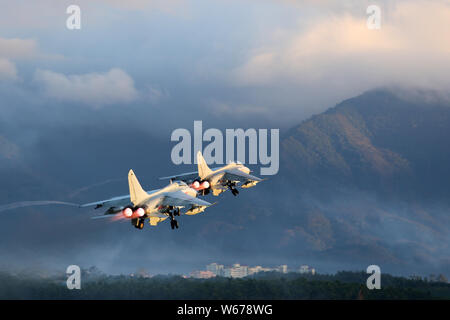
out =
column 174, row 224
column 232, row 187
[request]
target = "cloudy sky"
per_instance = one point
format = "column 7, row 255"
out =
column 264, row 61
column 153, row 66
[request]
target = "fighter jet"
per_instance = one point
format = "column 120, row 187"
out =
column 217, row 180
column 156, row 205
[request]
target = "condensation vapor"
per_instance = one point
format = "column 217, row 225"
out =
column 22, row 204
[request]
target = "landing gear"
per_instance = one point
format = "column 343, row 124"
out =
column 173, row 211
column 173, row 222
column 138, row 223
column 232, row 187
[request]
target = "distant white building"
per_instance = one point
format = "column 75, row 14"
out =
column 227, row 272
column 202, row 274
column 306, row 269
column 215, row 268
column 253, row 270
column 238, row 271
column 283, row 268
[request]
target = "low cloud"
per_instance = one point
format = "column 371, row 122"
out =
column 94, row 89
column 14, row 49
column 8, row 70
column 339, row 55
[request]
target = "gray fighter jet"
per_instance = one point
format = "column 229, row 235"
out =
column 156, row 205
column 217, row 180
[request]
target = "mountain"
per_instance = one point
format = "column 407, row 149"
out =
column 370, row 180
column 380, row 141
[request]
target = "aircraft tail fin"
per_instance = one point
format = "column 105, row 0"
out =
column 203, row 169
column 137, row 194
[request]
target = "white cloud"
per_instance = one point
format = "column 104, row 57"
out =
column 14, row 49
column 7, row 70
column 339, row 55
column 93, row 89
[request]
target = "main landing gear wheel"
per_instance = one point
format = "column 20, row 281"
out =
column 174, row 224
column 234, row 191
column 173, row 212
column 139, row 223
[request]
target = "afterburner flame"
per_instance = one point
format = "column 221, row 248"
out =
column 127, row 212
column 140, row 212
column 200, row 186
column 196, row 185
column 205, row 185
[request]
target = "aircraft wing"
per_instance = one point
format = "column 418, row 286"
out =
column 186, row 177
column 120, row 201
column 238, row 175
column 180, row 199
